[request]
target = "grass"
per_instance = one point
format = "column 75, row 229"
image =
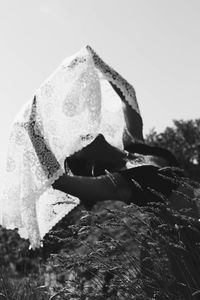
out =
column 112, row 252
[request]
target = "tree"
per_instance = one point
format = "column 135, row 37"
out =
column 183, row 140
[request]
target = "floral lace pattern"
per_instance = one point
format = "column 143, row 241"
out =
column 110, row 74
column 68, row 111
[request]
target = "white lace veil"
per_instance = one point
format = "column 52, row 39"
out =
column 69, row 110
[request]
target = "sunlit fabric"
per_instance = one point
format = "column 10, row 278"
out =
column 69, row 110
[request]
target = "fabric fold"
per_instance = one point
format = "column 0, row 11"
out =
column 73, row 106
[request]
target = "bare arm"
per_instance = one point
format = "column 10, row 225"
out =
column 93, row 189
column 132, row 118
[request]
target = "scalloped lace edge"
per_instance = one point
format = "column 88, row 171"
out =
column 108, row 75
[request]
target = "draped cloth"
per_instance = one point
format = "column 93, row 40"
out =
column 73, row 106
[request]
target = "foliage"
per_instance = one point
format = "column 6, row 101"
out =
column 96, row 264
column 114, row 252
column 21, row 271
column 183, row 139
column 15, row 254
column 24, row 289
column 127, row 252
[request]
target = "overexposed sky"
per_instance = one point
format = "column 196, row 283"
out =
column 154, row 44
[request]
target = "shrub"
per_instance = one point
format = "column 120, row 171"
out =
column 127, row 252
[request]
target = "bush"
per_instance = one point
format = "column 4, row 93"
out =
column 183, row 140
column 127, row 252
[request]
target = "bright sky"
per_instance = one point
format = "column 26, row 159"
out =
column 154, row 44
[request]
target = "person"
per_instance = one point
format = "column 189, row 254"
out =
column 129, row 175
column 110, row 178
column 138, row 174
column 73, row 122
column 104, row 172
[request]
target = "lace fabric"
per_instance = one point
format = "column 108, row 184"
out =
column 69, row 110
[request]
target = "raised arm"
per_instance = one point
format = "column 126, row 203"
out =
column 132, row 118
